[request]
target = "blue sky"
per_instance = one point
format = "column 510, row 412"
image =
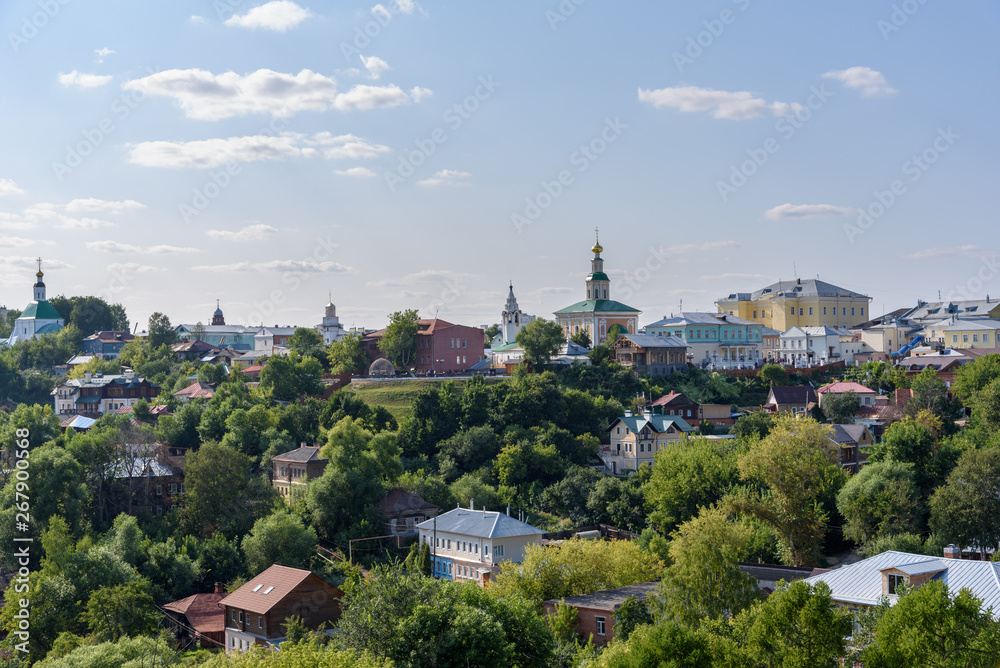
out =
column 266, row 154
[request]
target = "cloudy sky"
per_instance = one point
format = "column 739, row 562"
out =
column 417, row 154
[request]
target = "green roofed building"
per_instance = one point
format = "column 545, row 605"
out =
column 39, row 317
column 598, row 313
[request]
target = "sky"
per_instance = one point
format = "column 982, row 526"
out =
column 422, row 154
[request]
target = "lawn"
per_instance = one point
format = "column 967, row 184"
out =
column 397, row 396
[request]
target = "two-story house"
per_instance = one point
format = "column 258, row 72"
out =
column 866, row 395
column 635, row 440
column 402, row 511
column 693, row 413
column 292, row 471
column 469, row 545
column 717, row 340
column 97, row 393
column 794, row 399
column 106, row 344
column 651, row 355
column 853, row 440
column 257, row 612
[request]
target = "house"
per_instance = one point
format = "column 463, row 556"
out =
column 797, row 399
column 442, row 347
column 219, row 334
column 865, row 583
column 154, row 479
column 190, row 350
column 469, row 545
column 853, row 441
column 799, row 303
column 106, row 344
column 292, row 471
column 38, row 317
column 946, row 363
column 809, row 346
column 198, row 620
column 196, row 390
column 651, row 355
column 598, row 313
column 256, row 613
column 866, row 396
column 269, row 338
column 888, row 335
column 635, row 440
column 972, row 334
column 97, row 394
column 768, row 576
column 78, row 360
column 770, row 345
column 716, row 340
column 402, row 511
column 595, row 613
column 693, row 413
column 928, row 312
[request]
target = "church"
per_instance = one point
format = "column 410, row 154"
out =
column 39, row 317
column 598, row 312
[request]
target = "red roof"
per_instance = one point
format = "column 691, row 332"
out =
column 666, row 399
column 842, row 387
column 202, row 611
column 276, row 583
column 196, row 390
column 425, row 327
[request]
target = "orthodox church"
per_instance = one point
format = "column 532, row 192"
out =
column 511, row 320
column 39, row 317
column 331, row 329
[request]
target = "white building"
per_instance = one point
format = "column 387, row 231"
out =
column 812, row 346
column 331, row 329
column 39, row 317
column 512, row 319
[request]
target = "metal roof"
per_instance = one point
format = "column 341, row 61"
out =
column 609, row 599
column 807, row 287
column 659, row 423
column 652, row 341
column 703, row 318
column 480, row 523
column 848, row 433
column 598, row 306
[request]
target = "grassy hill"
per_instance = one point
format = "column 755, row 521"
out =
column 397, row 396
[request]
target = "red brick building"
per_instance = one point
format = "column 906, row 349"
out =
column 595, row 613
column 442, row 347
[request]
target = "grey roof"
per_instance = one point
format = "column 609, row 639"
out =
column 817, row 331
column 795, row 394
column 481, row 524
column 218, row 329
column 659, row 423
column 652, row 341
column 702, row 318
column 978, row 323
column 848, row 433
column 101, row 380
column 809, row 287
column 938, row 310
column 306, row 453
column 770, row 331
column 861, row 582
column 139, row 467
column 609, row 599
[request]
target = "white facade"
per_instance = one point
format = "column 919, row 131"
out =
column 39, row 317
column 813, row 346
column 331, row 329
column 512, row 319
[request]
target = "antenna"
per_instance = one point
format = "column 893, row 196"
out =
column 795, row 270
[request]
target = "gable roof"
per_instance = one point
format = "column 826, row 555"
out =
column 842, row 387
column 305, row 453
column 276, row 583
column 658, row 423
column 196, row 390
column 795, row 394
column 844, row 434
column 203, row 612
column 398, row 500
column 674, row 399
column 598, row 306
column 480, row 523
column 653, row 341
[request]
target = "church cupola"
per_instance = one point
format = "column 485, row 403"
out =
column 217, row 317
column 39, row 287
column 598, row 283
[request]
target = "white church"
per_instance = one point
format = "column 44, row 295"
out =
column 39, row 317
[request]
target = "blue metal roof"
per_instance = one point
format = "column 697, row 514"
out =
column 480, row 523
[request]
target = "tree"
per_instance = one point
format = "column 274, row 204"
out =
column 279, row 538
column 490, row 333
column 218, row 561
column 912, row 441
column 631, row 614
column 289, row 378
column 540, row 340
column 306, row 342
column 121, row 611
column 930, row 393
column 929, row 627
column 399, row 339
column 664, row 645
column 842, row 408
column 986, row 406
column 773, row 375
column 754, row 424
column 975, row 375
column 124, row 653
column 576, row 567
column 347, row 355
column 581, row 338
column 797, row 464
column 220, row 495
column 705, row 581
column 966, row 509
column 161, row 332
column 880, row 500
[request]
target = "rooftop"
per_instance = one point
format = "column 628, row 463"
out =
column 598, row 306
column 262, row 592
column 609, row 599
column 809, row 287
column 480, row 523
column 306, row 453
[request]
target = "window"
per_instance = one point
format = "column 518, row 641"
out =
column 465, row 343
column 173, row 488
column 862, row 310
column 260, row 622
column 453, row 343
column 600, row 625
column 800, row 311
column 241, row 616
column 986, row 338
column 475, row 548
column 845, row 310
column 486, row 549
column 810, row 310
column 954, row 338
column 895, row 582
column 965, row 338
column 449, row 543
column 234, row 615
column 498, row 550
column 458, row 359
column 824, row 310
column 852, row 311
column 975, row 338
column 159, row 490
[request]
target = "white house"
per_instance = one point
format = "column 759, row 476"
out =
column 811, row 346
column 469, row 545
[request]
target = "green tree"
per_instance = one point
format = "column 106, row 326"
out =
column 842, row 408
column 975, row 375
column 540, row 340
column 287, row 378
column 161, row 332
column 880, row 500
column 773, row 375
column 124, row 653
column 221, row 496
column 966, row 509
column 121, row 611
column 663, row 645
column 218, row 561
column 754, row 424
column 911, row 441
column 399, row 339
column 986, row 406
column 929, row 627
column 930, row 393
column 631, row 614
column 348, row 355
column 581, row 338
column 279, row 538
column 490, row 333
column 306, row 342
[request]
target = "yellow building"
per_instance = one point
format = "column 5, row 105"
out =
column 799, row 303
column 979, row 333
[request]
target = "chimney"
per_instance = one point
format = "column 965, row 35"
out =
column 472, row 504
column 219, row 588
column 952, row 552
column 87, row 375
column 628, row 413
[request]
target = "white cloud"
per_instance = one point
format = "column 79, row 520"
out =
column 346, row 146
column 376, row 66
column 356, row 172
column 125, row 268
column 257, row 232
column 212, row 97
column 447, row 177
column 13, row 221
column 299, row 266
column 32, row 263
column 870, row 82
column 8, row 187
column 46, row 212
column 103, row 53
column 81, row 80
column 729, row 105
column 198, row 20
column 94, row 204
column 793, row 211
column 420, row 94
column 968, row 251
column 68, row 223
column 18, row 242
column 170, row 250
column 406, row 6
column 118, row 247
column 277, row 15
column 700, row 248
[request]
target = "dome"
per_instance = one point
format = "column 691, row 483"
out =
column 597, row 247
column 381, row 367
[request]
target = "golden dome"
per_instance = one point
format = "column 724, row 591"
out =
column 597, row 248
